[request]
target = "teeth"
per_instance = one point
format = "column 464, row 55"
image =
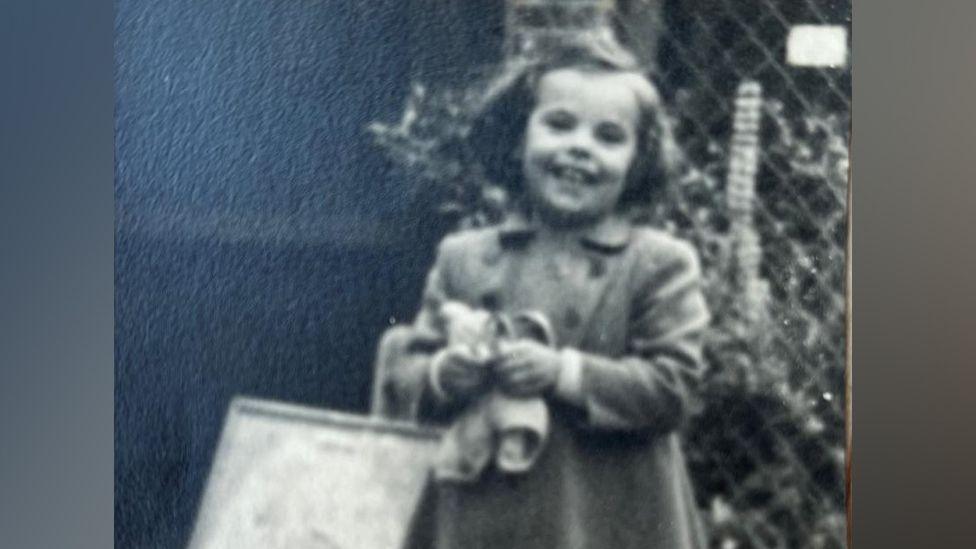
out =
column 572, row 175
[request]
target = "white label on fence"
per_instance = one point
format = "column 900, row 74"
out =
column 817, row 46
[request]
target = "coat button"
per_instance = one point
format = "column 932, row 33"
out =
column 490, row 301
column 571, row 319
column 598, row 267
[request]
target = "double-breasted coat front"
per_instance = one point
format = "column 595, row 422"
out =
column 612, row 474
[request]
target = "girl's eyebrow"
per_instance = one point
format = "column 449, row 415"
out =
column 556, row 105
column 615, row 120
column 561, row 106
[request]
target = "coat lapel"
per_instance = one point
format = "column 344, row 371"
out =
column 582, row 292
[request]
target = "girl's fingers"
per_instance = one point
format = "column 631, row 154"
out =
column 509, row 368
column 510, row 376
column 525, row 387
column 517, row 354
column 520, row 378
column 472, row 365
column 519, row 346
column 465, row 370
column 463, row 381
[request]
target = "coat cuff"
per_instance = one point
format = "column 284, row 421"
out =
column 569, row 386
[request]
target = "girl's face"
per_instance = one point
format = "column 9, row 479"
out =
column 579, row 144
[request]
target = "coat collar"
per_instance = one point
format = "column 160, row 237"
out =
column 610, row 235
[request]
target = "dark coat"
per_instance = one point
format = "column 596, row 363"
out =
column 613, row 474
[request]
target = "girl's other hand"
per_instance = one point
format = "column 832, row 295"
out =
column 527, row 368
column 458, row 373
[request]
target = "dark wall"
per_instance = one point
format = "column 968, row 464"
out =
column 262, row 243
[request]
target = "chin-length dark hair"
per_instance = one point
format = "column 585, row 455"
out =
column 497, row 132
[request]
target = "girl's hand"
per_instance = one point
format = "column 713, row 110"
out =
column 457, row 373
column 527, row 368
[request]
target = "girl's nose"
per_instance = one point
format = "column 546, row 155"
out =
column 578, row 152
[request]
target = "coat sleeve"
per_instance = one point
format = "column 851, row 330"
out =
column 653, row 385
column 401, row 388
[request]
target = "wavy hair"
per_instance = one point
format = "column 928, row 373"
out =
column 500, row 118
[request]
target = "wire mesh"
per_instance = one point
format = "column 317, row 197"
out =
column 768, row 451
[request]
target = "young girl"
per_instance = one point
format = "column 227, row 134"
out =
column 584, row 140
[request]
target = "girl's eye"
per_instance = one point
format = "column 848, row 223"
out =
column 560, row 120
column 611, row 133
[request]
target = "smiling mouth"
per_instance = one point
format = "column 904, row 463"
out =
column 572, row 174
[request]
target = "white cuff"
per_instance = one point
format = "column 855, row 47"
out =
column 569, row 386
column 433, row 375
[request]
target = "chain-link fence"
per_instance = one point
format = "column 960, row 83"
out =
column 764, row 198
column 768, row 451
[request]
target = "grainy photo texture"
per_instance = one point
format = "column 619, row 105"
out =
column 519, row 273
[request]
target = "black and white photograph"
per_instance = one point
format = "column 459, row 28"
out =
column 446, row 274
